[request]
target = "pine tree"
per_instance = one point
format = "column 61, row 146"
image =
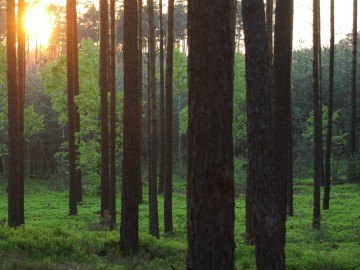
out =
column 210, row 181
column 131, row 166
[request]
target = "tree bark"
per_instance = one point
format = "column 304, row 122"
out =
column 21, row 84
column 267, row 229
column 210, row 180
column 77, row 114
column 153, row 203
column 13, row 117
column 103, row 84
column 140, row 81
column 162, row 104
column 352, row 163
column 321, row 155
column 131, row 166
column 112, row 138
column 317, row 108
column 168, row 222
column 269, row 34
column 71, row 105
column 326, row 198
column 281, row 98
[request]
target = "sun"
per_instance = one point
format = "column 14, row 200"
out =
column 38, row 24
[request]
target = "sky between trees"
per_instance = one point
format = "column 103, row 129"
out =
column 303, row 21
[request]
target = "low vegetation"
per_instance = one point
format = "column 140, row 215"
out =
column 51, row 239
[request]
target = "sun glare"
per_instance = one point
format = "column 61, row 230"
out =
column 38, row 24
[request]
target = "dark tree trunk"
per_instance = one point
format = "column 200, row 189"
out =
column 131, row 166
column 321, row 155
column 162, row 104
column 281, row 98
column 317, row 108
column 1, row 166
column 168, row 222
column 21, row 84
column 210, row 180
column 103, row 84
column 326, row 199
column 112, row 179
column 13, row 113
column 352, row 165
column 77, row 114
column 268, row 240
column 140, row 81
column 71, row 105
column 153, row 203
column 269, row 34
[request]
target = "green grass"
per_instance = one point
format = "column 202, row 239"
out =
column 51, row 239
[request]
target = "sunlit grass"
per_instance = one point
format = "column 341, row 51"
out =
column 51, row 238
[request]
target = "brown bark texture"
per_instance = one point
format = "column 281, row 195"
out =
column 131, row 166
column 326, row 198
column 267, row 229
column 13, row 117
column 281, row 98
column 71, row 105
column 210, row 179
column 104, row 113
column 317, row 120
column 153, row 203
column 168, row 220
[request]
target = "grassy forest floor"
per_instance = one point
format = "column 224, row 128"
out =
column 53, row 240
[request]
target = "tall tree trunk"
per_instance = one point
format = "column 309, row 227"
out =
column 321, row 155
column 210, row 180
column 268, row 240
column 168, row 223
column 21, row 84
column 352, row 165
column 77, row 114
column 71, row 105
column 162, row 104
column 269, row 34
column 281, row 98
column 140, row 75
column 112, row 179
column 13, row 112
column 153, row 203
column 317, row 108
column 326, row 198
column 103, row 83
column 131, row 166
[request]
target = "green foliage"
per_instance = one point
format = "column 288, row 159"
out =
column 183, row 119
column 180, row 76
column 239, row 117
column 88, row 103
column 54, row 83
column 339, row 137
column 304, row 136
column 51, row 239
column 33, row 122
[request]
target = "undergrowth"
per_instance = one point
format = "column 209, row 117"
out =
column 51, row 239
